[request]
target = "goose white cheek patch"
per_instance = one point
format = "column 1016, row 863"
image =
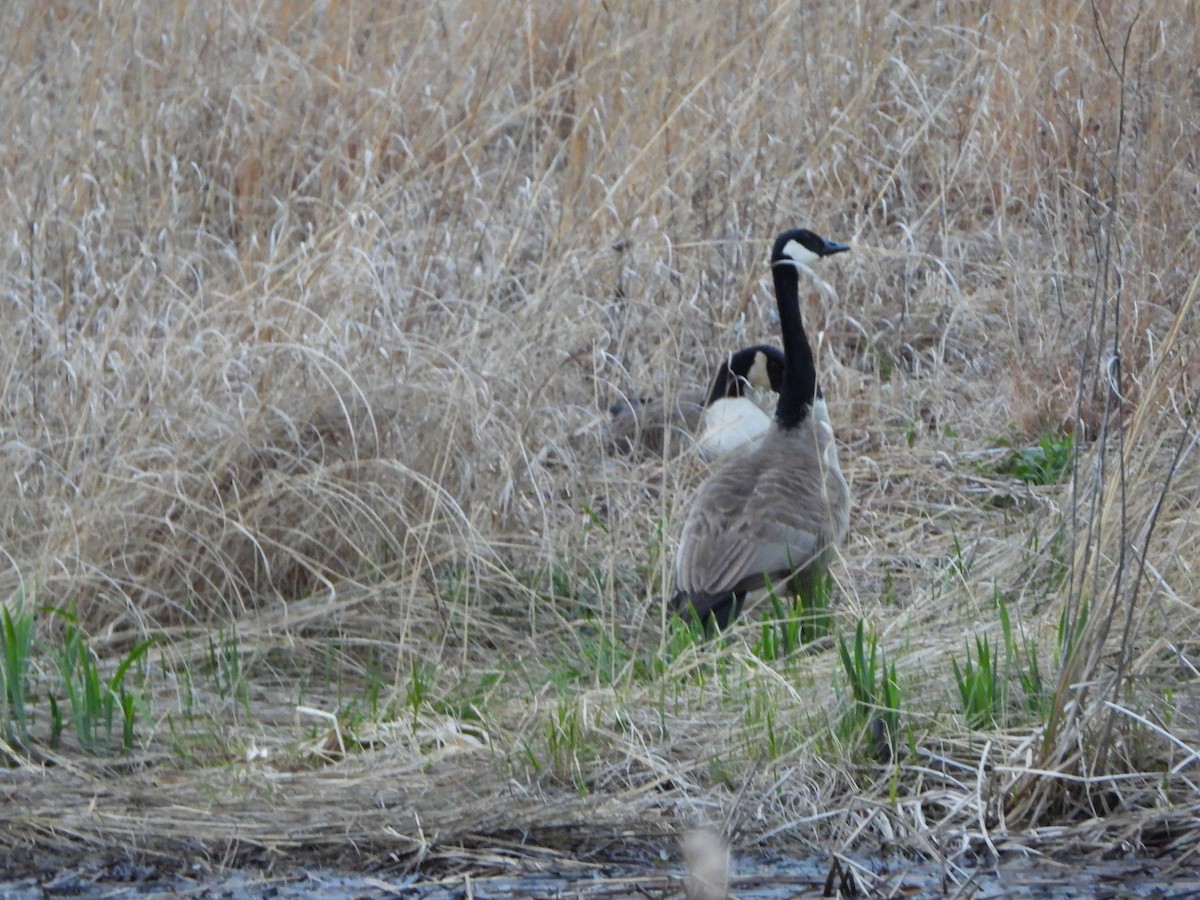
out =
column 757, row 375
column 798, row 252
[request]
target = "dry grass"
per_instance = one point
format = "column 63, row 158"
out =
column 312, row 316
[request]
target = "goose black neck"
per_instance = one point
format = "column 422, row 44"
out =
column 726, row 384
column 799, row 370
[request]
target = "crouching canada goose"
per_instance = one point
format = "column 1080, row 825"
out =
column 776, row 510
column 726, row 417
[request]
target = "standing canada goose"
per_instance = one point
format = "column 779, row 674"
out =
column 726, row 417
column 776, row 510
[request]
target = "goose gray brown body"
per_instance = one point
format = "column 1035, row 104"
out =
column 777, row 509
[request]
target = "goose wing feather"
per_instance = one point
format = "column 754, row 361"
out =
column 755, row 517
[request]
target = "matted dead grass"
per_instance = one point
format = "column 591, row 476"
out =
column 313, row 314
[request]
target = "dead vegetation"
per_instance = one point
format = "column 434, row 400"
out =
column 313, row 316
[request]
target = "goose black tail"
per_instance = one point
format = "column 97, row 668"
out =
column 708, row 611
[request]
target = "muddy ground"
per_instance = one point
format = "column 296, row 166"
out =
column 760, row 878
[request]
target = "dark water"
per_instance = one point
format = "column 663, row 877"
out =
column 753, row 879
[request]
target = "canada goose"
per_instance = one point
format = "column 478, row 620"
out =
column 726, row 417
column 776, row 510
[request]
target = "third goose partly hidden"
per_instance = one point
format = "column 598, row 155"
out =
column 776, row 511
column 725, row 419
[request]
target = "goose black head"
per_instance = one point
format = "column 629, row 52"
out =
column 760, row 367
column 800, row 246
